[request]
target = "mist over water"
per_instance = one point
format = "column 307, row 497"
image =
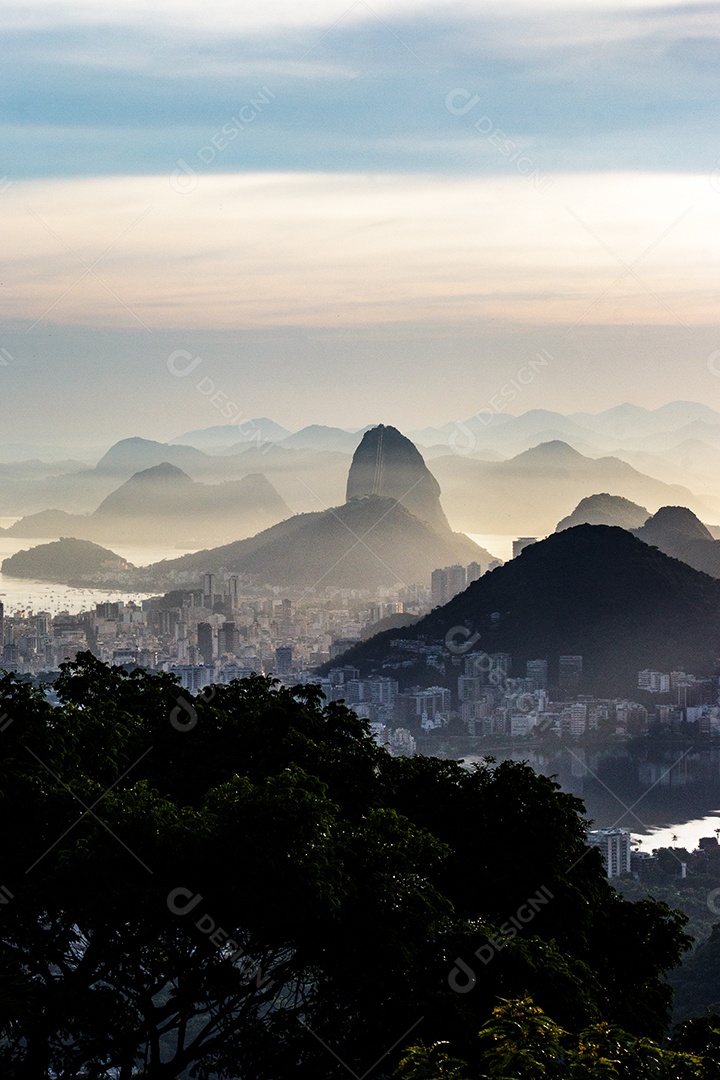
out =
column 667, row 797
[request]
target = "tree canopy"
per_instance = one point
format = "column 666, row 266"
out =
column 243, row 884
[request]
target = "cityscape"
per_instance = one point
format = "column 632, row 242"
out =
column 359, row 540
column 222, row 631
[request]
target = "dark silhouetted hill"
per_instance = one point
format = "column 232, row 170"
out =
column 605, row 509
column 593, row 590
column 674, row 520
column 676, row 531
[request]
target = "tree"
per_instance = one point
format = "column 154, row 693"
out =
column 520, row 1042
column 243, row 883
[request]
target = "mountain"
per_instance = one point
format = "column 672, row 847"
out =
column 319, row 437
column 258, row 430
column 631, row 421
column 663, row 441
column 673, row 520
column 531, row 492
column 67, row 561
column 595, row 591
column 49, row 523
column 516, row 432
column 162, row 504
column 676, row 531
column 307, row 479
column 159, row 490
column 164, row 501
column 389, row 465
column 133, row 455
column 605, row 509
column 34, row 468
column 433, row 436
column 376, row 539
column 368, row 543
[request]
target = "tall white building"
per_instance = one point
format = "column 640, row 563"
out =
column 615, row 847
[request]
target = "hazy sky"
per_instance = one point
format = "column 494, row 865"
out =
column 352, row 213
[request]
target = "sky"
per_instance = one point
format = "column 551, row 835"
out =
column 347, row 214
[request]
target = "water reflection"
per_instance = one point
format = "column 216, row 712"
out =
column 658, row 792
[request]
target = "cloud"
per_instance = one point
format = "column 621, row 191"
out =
column 614, row 87
column 322, row 250
column 222, row 16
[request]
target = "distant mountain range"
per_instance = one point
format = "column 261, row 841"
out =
column 304, row 478
column 390, row 531
column 594, row 591
column 529, row 493
column 162, row 504
column 500, row 473
column 222, row 435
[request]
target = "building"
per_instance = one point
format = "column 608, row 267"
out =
column 578, row 720
column 655, row 682
column 438, row 587
column 614, row 846
column 341, row 645
column 447, row 582
column 205, row 642
column 474, row 571
column 521, row 543
column 284, row 614
column 194, row 677
column 537, row 670
column 570, row 673
column 283, row 660
column 233, row 591
column 208, row 584
column 228, row 639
